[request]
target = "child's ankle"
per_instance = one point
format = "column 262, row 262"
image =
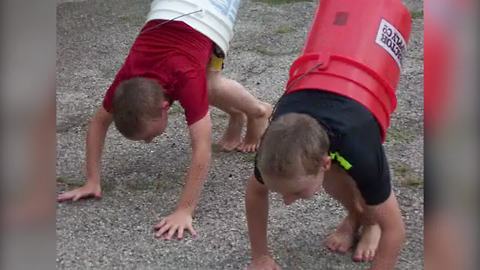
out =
column 355, row 219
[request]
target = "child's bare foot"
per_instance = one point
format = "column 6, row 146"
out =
column 368, row 244
column 342, row 239
column 255, row 127
column 233, row 134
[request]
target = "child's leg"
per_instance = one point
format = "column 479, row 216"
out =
column 338, row 185
column 233, row 134
column 232, row 96
column 341, row 187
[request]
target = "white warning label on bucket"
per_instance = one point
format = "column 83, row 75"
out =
column 228, row 8
column 390, row 39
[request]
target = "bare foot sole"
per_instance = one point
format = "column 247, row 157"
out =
column 255, row 128
column 342, row 239
column 368, row 244
column 233, row 134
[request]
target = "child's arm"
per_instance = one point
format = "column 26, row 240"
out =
column 96, row 134
column 181, row 219
column 390, row 220
column 256, row 204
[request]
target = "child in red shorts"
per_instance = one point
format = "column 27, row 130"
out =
column 170, row 61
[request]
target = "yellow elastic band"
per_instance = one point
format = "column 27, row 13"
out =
column 216, row 63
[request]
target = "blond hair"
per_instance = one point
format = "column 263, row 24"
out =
column 136, row 100
column 293, row 144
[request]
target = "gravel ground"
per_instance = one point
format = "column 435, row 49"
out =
column 142, row 182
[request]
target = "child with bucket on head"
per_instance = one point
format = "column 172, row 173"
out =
column 320, row 140
column 328, row 128
column 171, row 61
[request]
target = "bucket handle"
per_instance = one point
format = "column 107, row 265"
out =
column 322, row 60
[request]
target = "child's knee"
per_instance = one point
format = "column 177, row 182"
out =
column 258, row 111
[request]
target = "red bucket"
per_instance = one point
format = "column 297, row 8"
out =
column 355, row 48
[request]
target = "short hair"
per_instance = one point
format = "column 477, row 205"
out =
column 294, row 144
column 136, row 100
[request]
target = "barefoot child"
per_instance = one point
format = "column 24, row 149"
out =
column 316, row 140
column 170, row 61
column 328, row 129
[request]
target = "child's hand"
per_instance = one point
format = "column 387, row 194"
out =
column 179, row 221
column 264, row 263
column 87, row 191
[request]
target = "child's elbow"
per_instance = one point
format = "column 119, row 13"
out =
column 102, row 118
